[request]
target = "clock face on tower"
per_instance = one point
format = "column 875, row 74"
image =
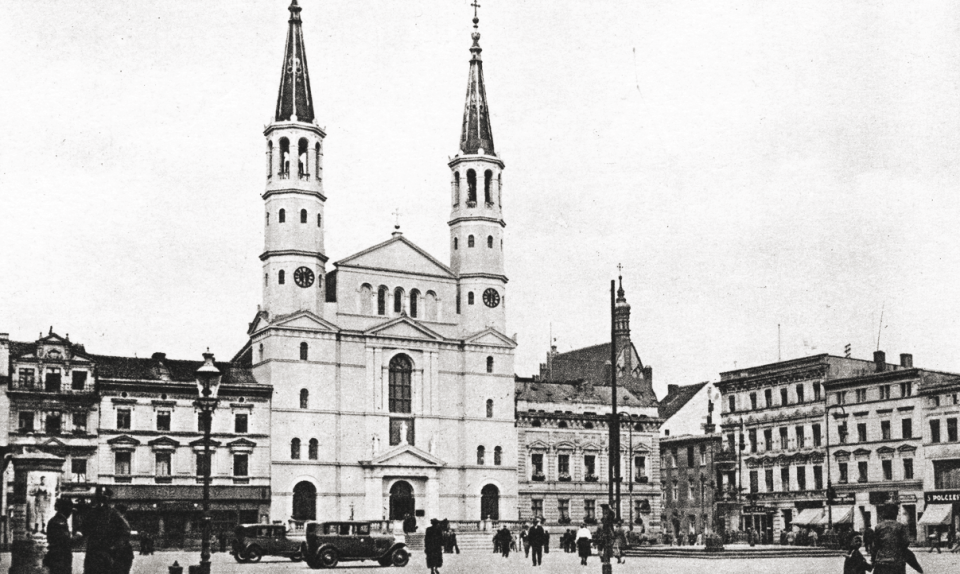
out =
column 491, row 298
column 303, row 277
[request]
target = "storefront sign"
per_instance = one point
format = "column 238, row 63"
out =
column 884, row 496
column 756, row 510
column 941, row 496
column 844, row 499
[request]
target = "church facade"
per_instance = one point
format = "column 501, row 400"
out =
column 392, row 376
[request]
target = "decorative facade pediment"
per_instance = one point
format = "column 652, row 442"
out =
column 241, row 445
column 492, row 337
column 841, row 454
column 907, row 448
column 404, row 328
column 404, row 455
column 861, row 452
column 164, row 443
column 199, row 444
column 124, row 442
column 305, row 320
column 397, row 254
column 538, row 445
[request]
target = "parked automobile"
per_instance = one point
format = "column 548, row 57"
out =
column 254, row 541
column 329, row 543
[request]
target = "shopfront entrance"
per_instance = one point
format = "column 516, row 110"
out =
column 941, row 513
column 758, row 519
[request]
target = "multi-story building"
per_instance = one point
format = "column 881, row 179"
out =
column 394, row 363
column 690, row 409
column 152, row 450
column 875, row 448
column 688, row 478
column 774, row 443
column 937, row 414
column 563, row 429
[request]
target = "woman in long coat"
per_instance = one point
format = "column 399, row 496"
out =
column 584, row 540
column 433, row 546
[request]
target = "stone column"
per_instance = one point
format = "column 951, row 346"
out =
column 36, row 486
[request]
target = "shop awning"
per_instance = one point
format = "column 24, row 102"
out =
column 807, row 516
column 936, row 514
column 841, row 515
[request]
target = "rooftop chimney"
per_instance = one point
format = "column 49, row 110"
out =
column 880, row 360
column 906, row 360
column 671, row 389
column 159, row 356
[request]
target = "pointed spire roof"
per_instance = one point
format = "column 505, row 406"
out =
column 295, row 100
column 476, row 133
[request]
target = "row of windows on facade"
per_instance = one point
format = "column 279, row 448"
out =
column 163, row 466
column 52, row 379
column 800, row 440
column 640, row 507
column 430, row 310
column 304, row 216
column 799, row 396
column 639, row 468
column 401, row 365
column 880, row 393
column 472, row 188
column 693, row 492
column 935, row 426
column 843, row 475
column 52, row 422
column 241, row 421
column 472, row 243
column 302, row 157
column 670, row 459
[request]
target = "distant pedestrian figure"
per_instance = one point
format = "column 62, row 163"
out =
column 536, row 537
column 584, row 540
column 505, row 538
column 619, row 541
column 59, row 558
column 223, row 540
column 868, row 537
column 409, row 524
column 108, row 538
column 524, row 540
column 433, row 546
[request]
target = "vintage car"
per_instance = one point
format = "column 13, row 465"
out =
column 331, row 542
column 253, row 541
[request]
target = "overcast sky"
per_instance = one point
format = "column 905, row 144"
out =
column 749, row 164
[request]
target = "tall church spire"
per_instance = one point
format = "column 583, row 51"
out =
column 295, row 100
column 476, row 133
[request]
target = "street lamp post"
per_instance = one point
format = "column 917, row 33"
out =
column 208, row 384
column 826, row 417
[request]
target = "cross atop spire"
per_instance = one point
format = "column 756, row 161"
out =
column 295, row 100
column 621, row 294
column 476, row 134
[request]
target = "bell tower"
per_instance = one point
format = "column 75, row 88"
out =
column 293, row 258
column 476, row 220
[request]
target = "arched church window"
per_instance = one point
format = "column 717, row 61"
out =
column 398, row 300
column 313, row 449
column 470, row 241
column 303, row 169
column 261, row 351
column 268, row 218
column 456, row 188
column 414, row 303
column 490, row 241
column 303, row 216
column 304, row 398
column 430, row 306
column 282, row 216
column 471, row 188
column 487, row 182
column 295, row 449
column 489, row 364
column 366, row 293
column 266, row 279
column 456, row 243
column 401, row 370
column 280, row 277
column 382, row 300
column 470, row 298
column 480, row 454
column 303, row 351
column 284, row 171
column 319, row 220
column 317, row 154
column 458, row 301
column 497, row 456
column 500, row 189
column 489, row 408
column 269, row 159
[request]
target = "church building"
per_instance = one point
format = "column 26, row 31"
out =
column 392, row 376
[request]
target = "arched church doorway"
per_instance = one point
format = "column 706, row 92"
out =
column 402, row 501
column 490, row 503
column 304, row 501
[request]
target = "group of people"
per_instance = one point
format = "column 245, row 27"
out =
column 107, row 535
column 800, row 537
column 438, row 539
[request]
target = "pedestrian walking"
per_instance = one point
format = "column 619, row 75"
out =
column 584, row 540
column 890, row 546
column 868, row 537
column 505, row 538
column 108, row 538
column 433, row 546
column 222, row 540
column 59, row 558
column 619, row 541
column 536, row 537
column 524, row 532
column 855, row 563
column 122, row 548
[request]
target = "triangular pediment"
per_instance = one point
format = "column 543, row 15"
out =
column 304, row 320
column 404, row 455
column 259, row 321
column 404, row 328
column 164, row 441
column 53, row 444
column 242, row 442
column 397, row 254
column 123, row 440
column 492, row 337
column 538, row 445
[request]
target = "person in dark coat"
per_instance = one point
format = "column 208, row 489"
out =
column 108, row 538
column 504, row 541
column 868, row 537
column 409, row 524
column 890, row 545
column 855, row 563
column 536, row 537
column 433, row 546
column 59, row 558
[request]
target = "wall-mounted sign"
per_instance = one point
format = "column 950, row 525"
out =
column 941, row 497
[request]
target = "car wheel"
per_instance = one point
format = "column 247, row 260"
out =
column 300, row 554
column 240, row 556
column 328, row 558
column 254, row 554
column 400, row 557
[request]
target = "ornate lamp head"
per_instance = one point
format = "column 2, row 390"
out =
column 208, row 378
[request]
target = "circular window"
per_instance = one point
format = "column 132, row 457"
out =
column 241, row 399
column 123, row 394
column 163, row 396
